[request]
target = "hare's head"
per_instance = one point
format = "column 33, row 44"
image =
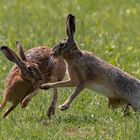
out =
column 29, row 70
column 66, row 46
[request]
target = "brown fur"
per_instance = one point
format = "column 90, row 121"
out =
column 21, row 88
column 86, row 70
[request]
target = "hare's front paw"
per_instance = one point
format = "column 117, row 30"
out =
column 64, row 107
column 45, row 86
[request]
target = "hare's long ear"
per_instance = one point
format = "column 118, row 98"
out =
column 21, row 51
column 70, row 23
column 11, row 56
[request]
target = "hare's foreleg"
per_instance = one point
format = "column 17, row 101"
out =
column 52, row 107
column 9, row 110
column 67, row 83
column 27, row 99
column 76, row 92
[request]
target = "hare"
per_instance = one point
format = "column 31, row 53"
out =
column 31, row 70
column 86, row 70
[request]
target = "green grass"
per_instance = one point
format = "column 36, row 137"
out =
column 109, row 28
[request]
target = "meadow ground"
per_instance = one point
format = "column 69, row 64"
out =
column 110, row 29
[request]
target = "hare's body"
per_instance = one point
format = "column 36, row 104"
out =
column 21, row 87
column 17, row 88
column 102, row 77
column 86, row 70
column 51, row 69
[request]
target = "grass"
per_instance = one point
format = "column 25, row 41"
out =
column 110, row 29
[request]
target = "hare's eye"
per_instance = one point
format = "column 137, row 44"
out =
column 62, row 45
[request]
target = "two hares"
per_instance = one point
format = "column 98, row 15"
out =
column 32, row 69
column 86, row 70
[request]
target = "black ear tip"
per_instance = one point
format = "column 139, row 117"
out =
column 70, row 15
column 3, row 48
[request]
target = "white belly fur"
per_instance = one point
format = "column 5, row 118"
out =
column 101, row 89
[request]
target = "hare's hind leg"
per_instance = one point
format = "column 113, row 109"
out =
column 27, row 99
column 52, row 107
column 116, row 103
column 2, row 105
column 135, row 107
column 135, row 103
column 113, row 103
column 9, row 110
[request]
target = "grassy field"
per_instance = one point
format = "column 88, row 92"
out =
column 110, row 29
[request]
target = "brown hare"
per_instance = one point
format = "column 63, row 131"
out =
column 31, row 70
column 86, row 70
